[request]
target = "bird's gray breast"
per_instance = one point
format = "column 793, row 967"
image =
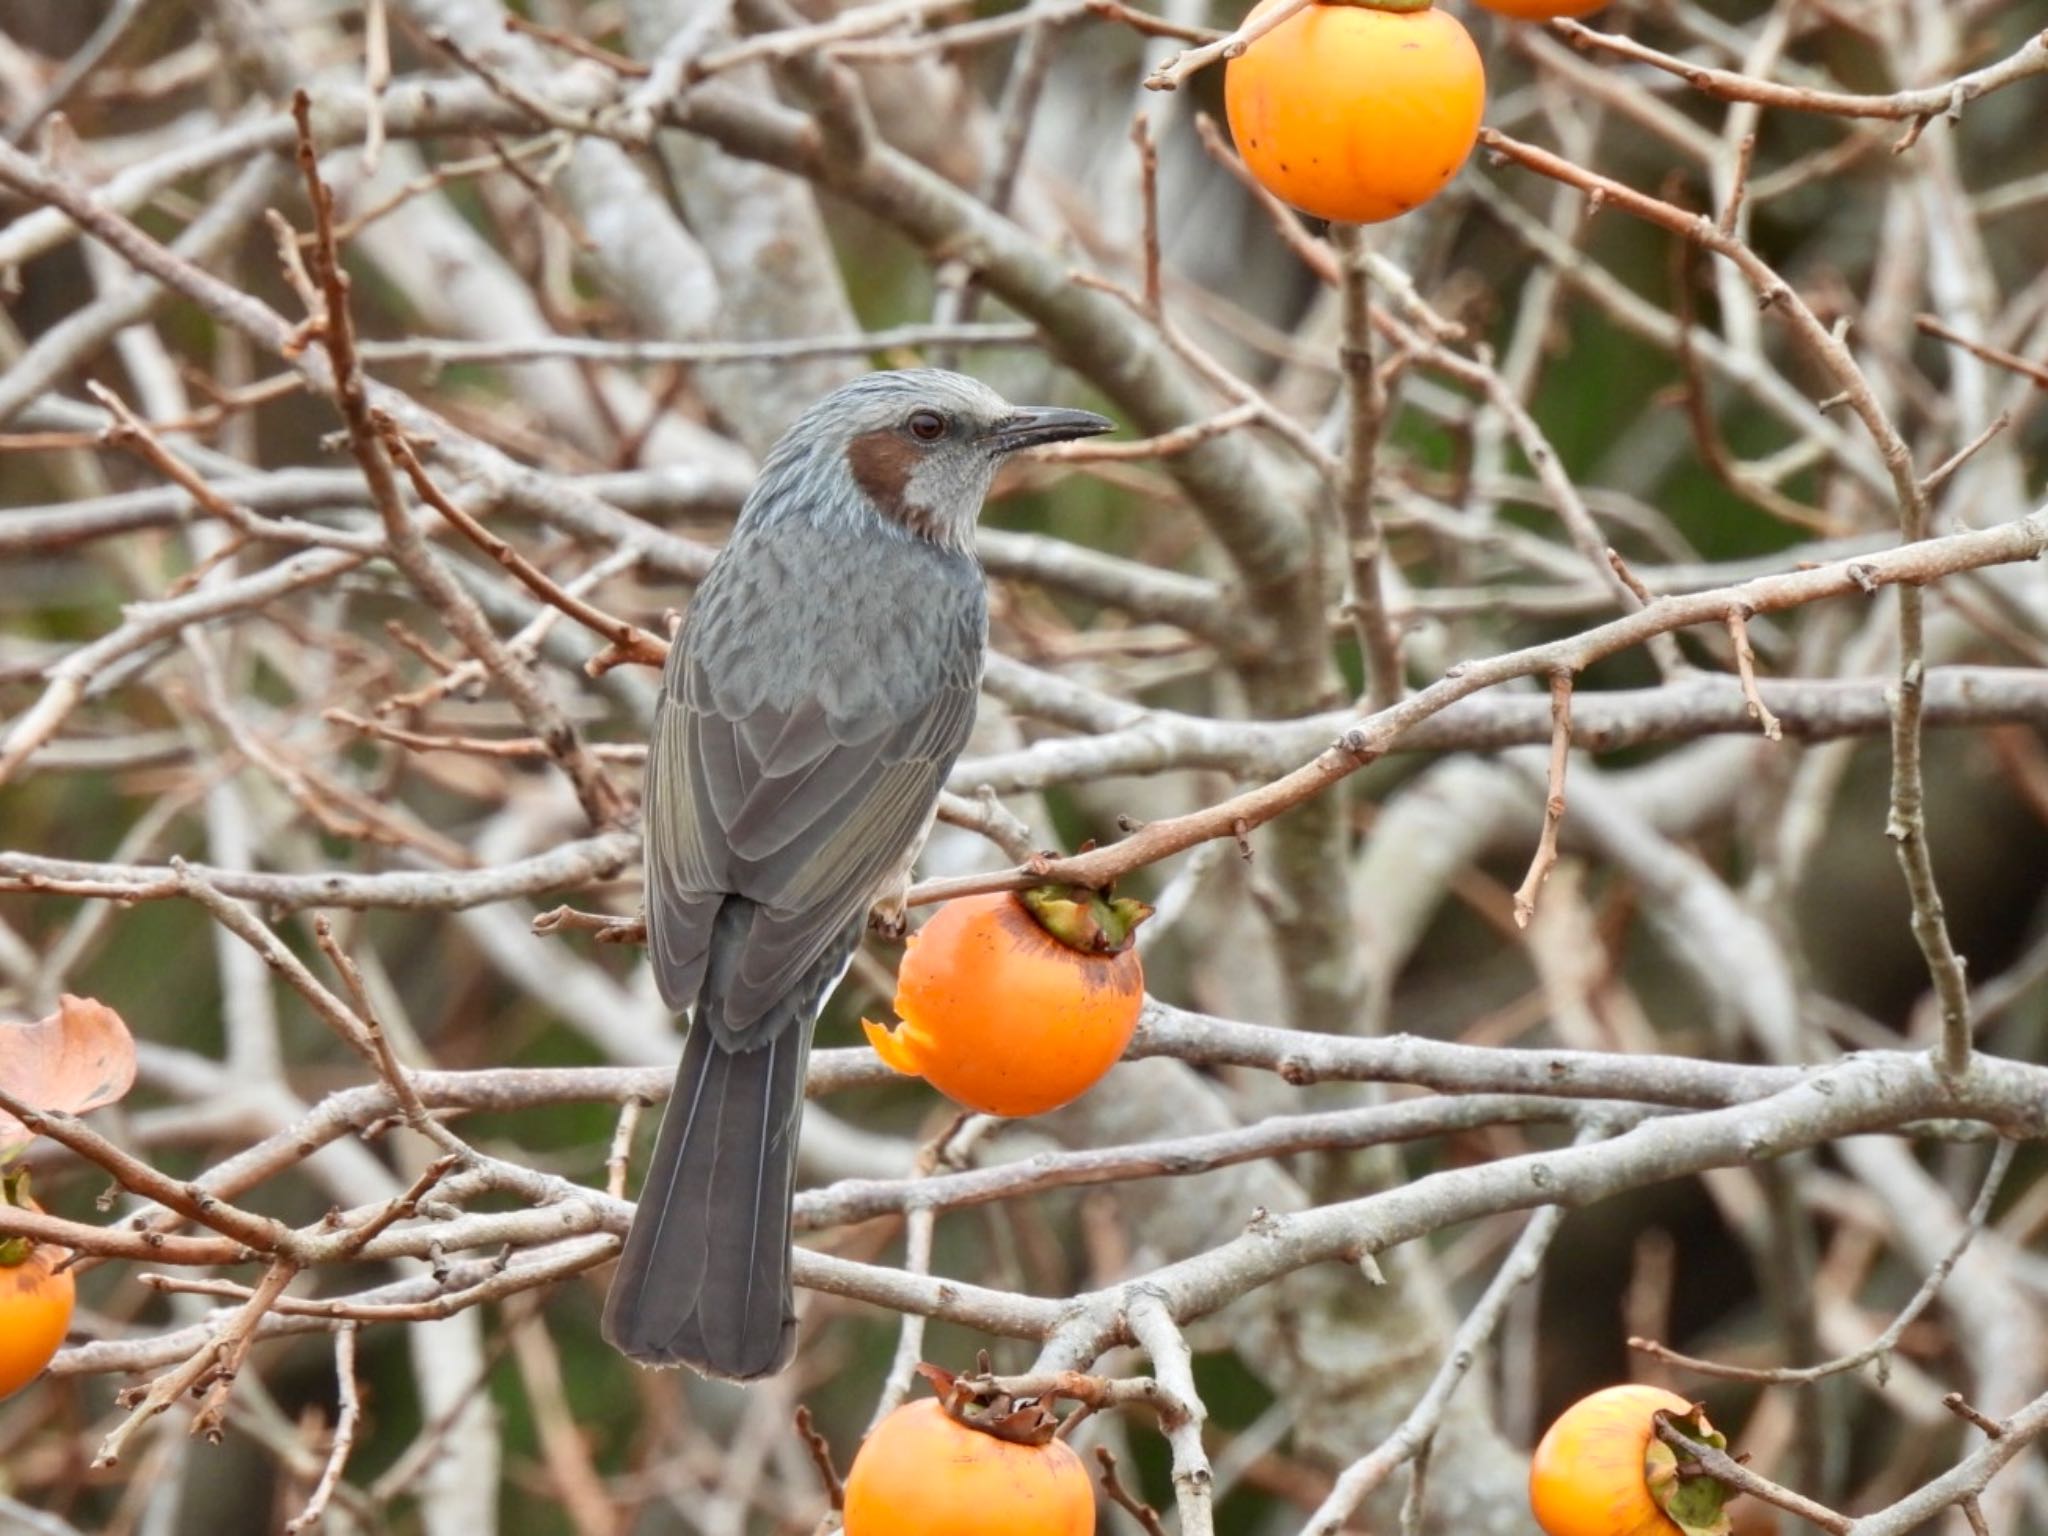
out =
column 869, row 628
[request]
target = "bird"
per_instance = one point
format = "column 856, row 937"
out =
column 819, row 690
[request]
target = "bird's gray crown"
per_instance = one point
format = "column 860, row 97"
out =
column 915, row 449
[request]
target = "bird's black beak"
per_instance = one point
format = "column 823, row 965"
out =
column 1032, row 425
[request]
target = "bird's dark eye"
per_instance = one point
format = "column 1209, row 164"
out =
column 927, row 426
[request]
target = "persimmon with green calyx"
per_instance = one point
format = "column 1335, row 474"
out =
column 1017, row 1003
column 36, row 1297
column 968, row 1461
column 1356, row 110
column 1601, row 1470
column 1540, row 10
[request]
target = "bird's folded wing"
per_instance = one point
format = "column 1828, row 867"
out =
column 801, row 814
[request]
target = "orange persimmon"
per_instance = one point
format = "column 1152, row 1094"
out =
column 1355, row 111
column 36, row 1298
column 1600, row 1470
column 1017, row 1004
column 924, row 1473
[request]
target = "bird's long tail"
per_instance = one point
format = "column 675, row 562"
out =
column 704, row 1279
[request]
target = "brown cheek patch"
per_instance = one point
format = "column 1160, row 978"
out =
column 882, row 464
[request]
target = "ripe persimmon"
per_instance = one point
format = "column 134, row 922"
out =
column 36, row 1298
column 1353, row 110
column 1540, row 10
column 924, row 1473
column 1014, row 1004
column 1600, row 1470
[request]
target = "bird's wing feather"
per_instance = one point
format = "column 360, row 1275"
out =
column 683, row 880
column 804, row 815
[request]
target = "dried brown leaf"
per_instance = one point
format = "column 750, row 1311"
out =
column 78, row 1058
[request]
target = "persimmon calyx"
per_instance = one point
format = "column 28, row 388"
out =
column 973, row 1402
column 1696, row 1504
column 1392, row 7
column 1090, row 922
column 15, row 1251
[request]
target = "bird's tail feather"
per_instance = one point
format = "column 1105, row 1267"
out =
column 704, row 1278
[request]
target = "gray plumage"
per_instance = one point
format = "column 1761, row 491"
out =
column 821, row 687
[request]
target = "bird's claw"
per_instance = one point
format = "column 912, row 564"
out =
column 889, row 919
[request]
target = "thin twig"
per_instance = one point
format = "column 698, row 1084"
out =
column 1379, row 643
column 1745, row 669
column 1146, row 1516
column 820, row 1452
column 628, row 642
column 2035, row 373
column 349, row 1413
column 1963, row 1409
column 1906, row 823
column 1724, row 1468
column 619, row 1155
column 1545, row 858
column 376, row 76
column 1169, row 75
column 1411, row 1441
column 232, row 1339
column 1148, row 207
column 1939, row 476
column 918, row 1226
column 1917, row 106
column 1194, row 1483
column 388, row 1065
column 601, row 799
column 1879, row 1348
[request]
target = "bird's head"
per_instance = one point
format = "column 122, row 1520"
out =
column 917, row 449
